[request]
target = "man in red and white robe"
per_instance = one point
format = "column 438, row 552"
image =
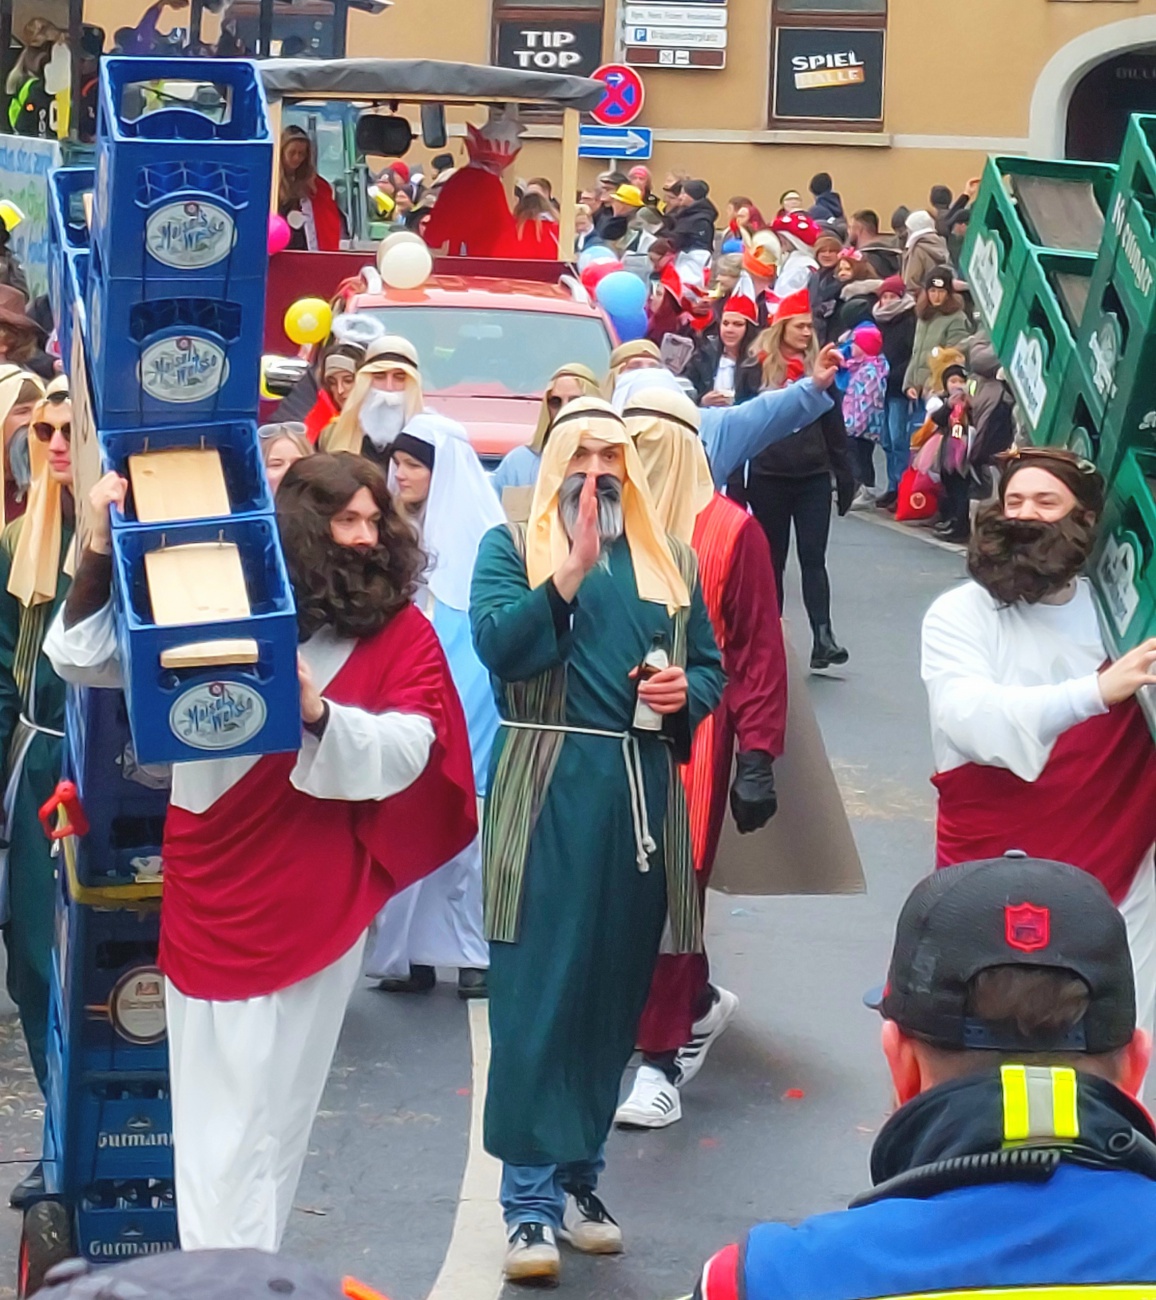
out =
column 1039, row 741
column 685, row 1012
column 276, row 865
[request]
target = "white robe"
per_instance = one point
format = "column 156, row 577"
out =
column 247, row 1076
column 1003, row 685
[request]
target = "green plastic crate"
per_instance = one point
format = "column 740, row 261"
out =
column 1124, row 566
column 1027, row 206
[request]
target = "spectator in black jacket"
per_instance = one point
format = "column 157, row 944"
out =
column 894, row 313
column 880, row 251
column 789, row 484
column 716, row 371
column 691, row 227
column 827, row 209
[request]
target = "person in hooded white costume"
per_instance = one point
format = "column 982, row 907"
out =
column 440, row 486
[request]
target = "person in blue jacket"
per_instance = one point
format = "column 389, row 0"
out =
column 1019, row 1158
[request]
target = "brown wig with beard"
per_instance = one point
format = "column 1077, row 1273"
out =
column 1028, row 559
column 354, row 590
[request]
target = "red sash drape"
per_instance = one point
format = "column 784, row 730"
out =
column 270, row 885
column 1094, row 804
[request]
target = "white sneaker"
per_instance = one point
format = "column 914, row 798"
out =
column 690, row 1058
column 653, row 1102
column 863, row 499
column 588, row 1227
column 533, row 1254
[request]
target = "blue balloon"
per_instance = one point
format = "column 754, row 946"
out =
column 732, row 246
column 621, row 294
column 595, row 253
column 631, row 327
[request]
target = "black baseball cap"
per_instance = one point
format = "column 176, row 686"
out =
column 1011, row 911
column 201, row 1275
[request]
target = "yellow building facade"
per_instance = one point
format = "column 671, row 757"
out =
column 889, row 96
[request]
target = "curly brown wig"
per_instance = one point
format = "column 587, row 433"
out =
column 354, row 590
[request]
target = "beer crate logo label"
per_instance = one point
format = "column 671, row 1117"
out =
column 217, row 715
column 190, row 235
column 1104, row 346
column 1116, row 579
column 137, row 1132
column 1027, row 374
column 983, row 275
column 183, row 369
column 137, row 1006
column 1130, row 247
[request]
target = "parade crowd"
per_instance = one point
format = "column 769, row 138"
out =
column 531, row 698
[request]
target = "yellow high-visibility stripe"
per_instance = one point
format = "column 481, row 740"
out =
column 1091, row 1291
column 1065, row 1118
column 1016, row 1112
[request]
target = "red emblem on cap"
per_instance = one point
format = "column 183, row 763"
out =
column 1027, row 927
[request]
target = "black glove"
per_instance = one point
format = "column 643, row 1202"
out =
column 753, row 800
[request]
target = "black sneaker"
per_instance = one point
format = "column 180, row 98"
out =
column 472, row 983
column 421, row 979
column 587, row 1225
column 532, row 1255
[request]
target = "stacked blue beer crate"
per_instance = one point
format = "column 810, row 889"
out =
column 167, row 320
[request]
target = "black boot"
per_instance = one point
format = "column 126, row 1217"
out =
column 471, row 983
column 826, row 651
column 422, row 979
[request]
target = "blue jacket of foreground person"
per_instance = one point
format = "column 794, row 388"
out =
column 1020, row 1162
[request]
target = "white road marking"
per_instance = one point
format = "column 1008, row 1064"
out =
column 881, row 519
column 472, row 1268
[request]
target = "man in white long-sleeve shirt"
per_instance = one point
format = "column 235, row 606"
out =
column 1039, row 741
column 276, row 865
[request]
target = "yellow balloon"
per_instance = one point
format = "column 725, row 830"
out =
column 309, row 320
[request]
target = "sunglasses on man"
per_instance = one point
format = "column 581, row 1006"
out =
column 44, row 430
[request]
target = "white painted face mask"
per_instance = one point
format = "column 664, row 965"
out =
column 382, row 417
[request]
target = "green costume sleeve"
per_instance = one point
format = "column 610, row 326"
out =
column 514, row 627
column 9, row 634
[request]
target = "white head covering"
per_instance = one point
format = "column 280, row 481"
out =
column 634, row 381
column 460, row 509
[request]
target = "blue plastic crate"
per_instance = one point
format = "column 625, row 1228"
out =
column 236, row 441
column 181, row 189
column 67, row 228
column 187, row 714
column 74, row 283
column 122, row 1220
column 105, row 960
column 158, row 357
column 118, row 1127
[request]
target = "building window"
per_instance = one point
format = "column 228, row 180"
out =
column 548, row 36
column 828, row 61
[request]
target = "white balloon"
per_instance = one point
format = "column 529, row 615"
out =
column 392, row 241
column 406, row 265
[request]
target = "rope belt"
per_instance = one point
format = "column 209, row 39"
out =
column 644, row 844
column 44, row 731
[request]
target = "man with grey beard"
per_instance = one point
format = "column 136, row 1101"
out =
column 591, row 622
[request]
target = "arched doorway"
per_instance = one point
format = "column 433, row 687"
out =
column 1104, row 98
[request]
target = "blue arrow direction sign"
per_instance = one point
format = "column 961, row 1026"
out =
column 615, row 142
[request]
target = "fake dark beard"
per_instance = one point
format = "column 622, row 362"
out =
column 1027, row 560
column 609, row 493
column 350, row 589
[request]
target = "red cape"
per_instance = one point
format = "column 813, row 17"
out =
column 472, row 216
column 271, row 885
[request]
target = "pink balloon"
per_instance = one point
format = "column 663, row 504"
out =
column 279, row 233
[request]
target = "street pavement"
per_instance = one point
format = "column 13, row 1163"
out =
column 780, row 1122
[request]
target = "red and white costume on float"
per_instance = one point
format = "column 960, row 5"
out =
column 275, row 867
column 1028, row 757
column 472, row 216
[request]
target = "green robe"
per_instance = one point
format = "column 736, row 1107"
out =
column 566, row 996
column 29, row 686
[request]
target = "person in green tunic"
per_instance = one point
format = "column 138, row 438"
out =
column 586, row 844
column 33, row 584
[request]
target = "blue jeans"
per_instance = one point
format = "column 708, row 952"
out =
column 537, row 1193
column 897, row 440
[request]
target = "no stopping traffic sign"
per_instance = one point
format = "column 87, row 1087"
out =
column 624, row 96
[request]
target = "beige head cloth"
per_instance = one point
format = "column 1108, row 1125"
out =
column 12, row 380
column 588, row 382
column 391, row 352
column 664, row 426
column 625, row 352
column 656, row 575
column 35, row 569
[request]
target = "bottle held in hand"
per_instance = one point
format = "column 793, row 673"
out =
column 657, row 658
